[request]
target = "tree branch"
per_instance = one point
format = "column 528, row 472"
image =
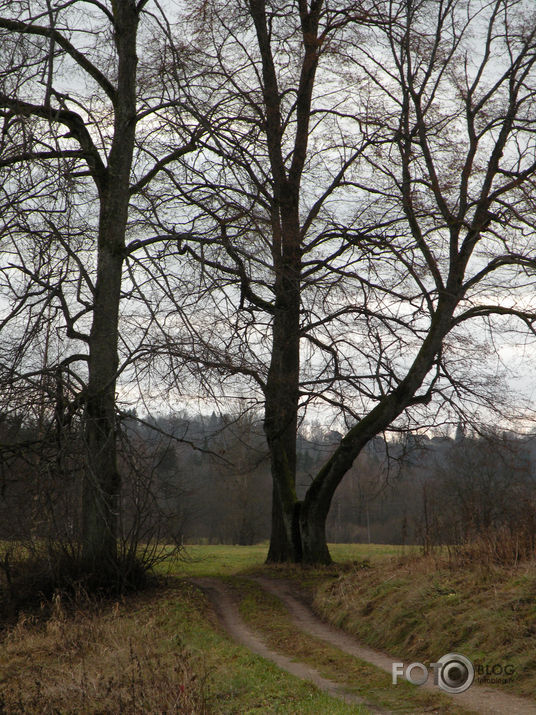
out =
column 70, row 119
column 63, row 42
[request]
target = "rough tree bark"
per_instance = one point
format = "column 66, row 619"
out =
column 102, row 481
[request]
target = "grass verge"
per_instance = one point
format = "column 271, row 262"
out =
column 156, row 652
column 265, row 613
column 420, row 608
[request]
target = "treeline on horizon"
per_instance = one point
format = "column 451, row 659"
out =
column 192, row 478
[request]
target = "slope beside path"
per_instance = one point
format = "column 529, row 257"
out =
column 477, row 698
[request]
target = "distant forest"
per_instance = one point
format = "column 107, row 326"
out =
column 196, row 478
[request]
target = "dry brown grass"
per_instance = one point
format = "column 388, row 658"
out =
column 117, row 658
column 498, row 546
column 421, row 607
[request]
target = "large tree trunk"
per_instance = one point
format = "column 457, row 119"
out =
column 102, row 481
column 280, row 426
column 282, row 392
column 102, row 484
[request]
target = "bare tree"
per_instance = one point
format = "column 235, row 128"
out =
column 362, row 191
column 362, row 215
column 77, row 149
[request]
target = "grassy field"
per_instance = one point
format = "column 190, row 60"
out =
column 221, row 560
column 162, row 650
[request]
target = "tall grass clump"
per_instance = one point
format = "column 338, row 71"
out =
column 98, row 657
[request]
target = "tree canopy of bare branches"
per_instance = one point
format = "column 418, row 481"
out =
column 329, row 202
column 362, row 214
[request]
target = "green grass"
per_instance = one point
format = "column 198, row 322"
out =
column 216, row 560
column 237, row 681
column 224, row 560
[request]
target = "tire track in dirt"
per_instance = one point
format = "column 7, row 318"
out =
column 487, row 701
column 225, row 605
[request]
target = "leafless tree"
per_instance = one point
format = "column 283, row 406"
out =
column 362, row 214
column 80, row 113
column 359, row 199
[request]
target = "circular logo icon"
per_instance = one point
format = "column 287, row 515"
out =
column 456, row 674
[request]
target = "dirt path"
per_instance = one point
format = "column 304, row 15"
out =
column 226, row 608
column 478, row 698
